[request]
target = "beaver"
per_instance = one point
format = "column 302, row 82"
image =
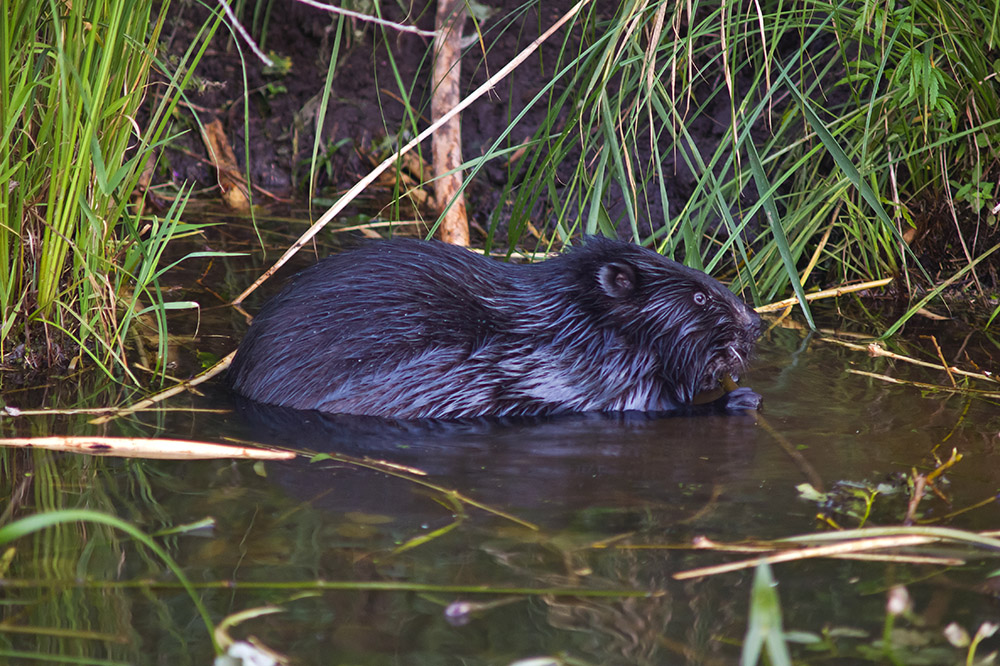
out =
column 410, row 329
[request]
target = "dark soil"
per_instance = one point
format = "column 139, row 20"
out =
column 365, row 109
column 365, row 106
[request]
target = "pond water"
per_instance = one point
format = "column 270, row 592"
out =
column 489, row 543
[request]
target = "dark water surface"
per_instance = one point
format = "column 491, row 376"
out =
column 614, row 503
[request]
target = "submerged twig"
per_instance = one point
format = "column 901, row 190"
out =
column 407, row 473
column 172, row 391
column 875, row 349
column 927, row 387
column 992, row 499
column 800, row 460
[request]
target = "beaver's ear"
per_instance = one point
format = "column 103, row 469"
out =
column 617, row 279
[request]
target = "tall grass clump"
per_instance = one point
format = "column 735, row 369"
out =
column 80, row 122
column 771, row 137
column 926, row 102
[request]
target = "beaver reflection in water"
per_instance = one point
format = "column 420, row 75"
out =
column 417, row 329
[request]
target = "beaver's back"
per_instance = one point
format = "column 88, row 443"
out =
column 384, row 317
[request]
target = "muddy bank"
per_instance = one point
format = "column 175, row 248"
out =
column 367, row 114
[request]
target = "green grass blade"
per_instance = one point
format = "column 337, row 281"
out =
column 764, row 627
column 766, row 193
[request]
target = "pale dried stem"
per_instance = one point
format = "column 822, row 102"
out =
column 399, row 27
column 875, row 349
column 850, row 549
column 826, row 293
column 142, row 447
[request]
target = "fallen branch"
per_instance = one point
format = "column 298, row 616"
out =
column 141, row 447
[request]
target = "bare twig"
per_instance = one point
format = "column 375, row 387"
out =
column 800, row 460
column 925, row 386
column 235, row 22
column 916, row 494
column 852, row 547
column 826, row 293
column 944, row 363
column 368, row 18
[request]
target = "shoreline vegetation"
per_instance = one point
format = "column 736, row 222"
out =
column 821, row 145
column 798, row 151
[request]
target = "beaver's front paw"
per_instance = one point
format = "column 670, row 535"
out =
column 742, row 399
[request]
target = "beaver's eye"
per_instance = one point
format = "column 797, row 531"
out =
column 700, row 298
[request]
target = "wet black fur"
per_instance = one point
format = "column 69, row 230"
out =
column 413, row 329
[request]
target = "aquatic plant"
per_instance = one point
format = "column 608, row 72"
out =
column 77, row 252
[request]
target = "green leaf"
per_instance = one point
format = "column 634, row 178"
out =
column 766, row 193
column 764, row 625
